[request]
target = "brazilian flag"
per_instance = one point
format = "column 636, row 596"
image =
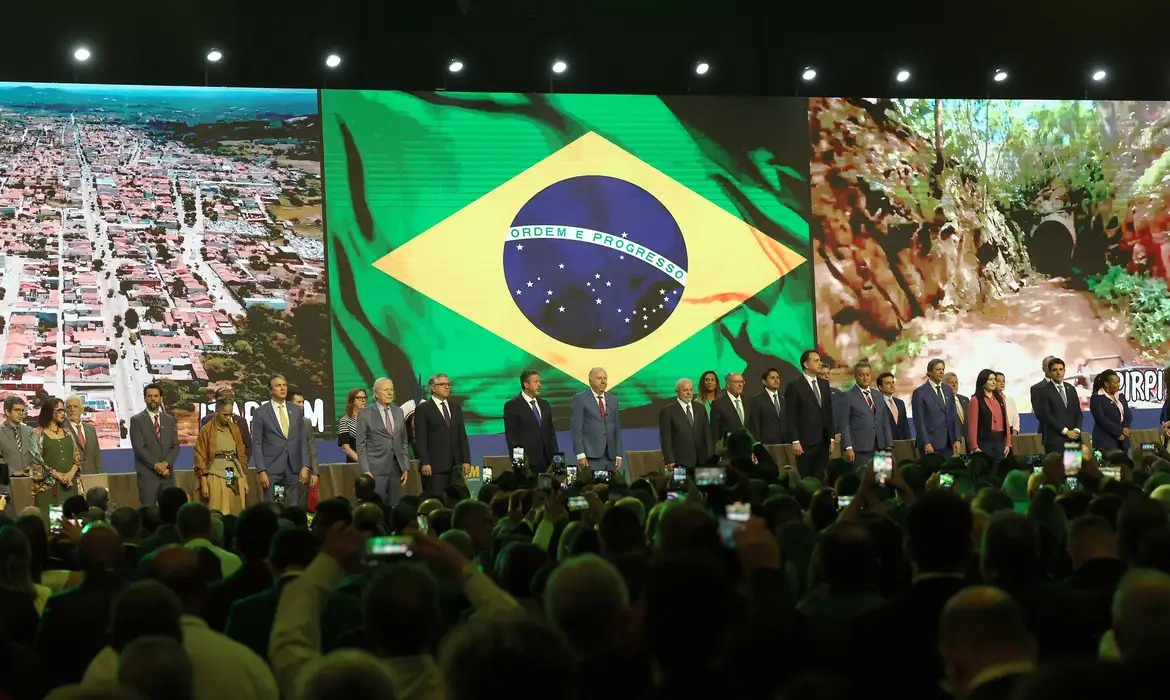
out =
column 479, row 235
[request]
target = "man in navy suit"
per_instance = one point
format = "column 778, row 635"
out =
column 528, row 423
column 440, row 439
column 280, row 446
column 595, row 427
column 864, row 426
column 809, row 409
column 895, row 407
column 1057, row 408
column 935, row 417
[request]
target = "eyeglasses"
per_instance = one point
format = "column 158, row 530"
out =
column 360, row 397
column 446, row 384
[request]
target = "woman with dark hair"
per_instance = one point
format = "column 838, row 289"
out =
column 987, row 420
column 1112, row 416
column 347, row 427
column 708, row 389
column 57, row 461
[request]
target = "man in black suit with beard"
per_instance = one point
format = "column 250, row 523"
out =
column 528, row 423
column 767, row 410
column 809, row 404
column 730, row 413
column 1057, row 407
column 683, row 430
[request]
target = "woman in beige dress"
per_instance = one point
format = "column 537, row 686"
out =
column 221, row 460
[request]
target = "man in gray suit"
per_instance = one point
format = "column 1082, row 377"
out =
column 280, row 447
column 15, row 440
column 865, row 420
column 380, row 433
column 595, row 427
column 154, row 437
column 85, row 435
column 298, row 399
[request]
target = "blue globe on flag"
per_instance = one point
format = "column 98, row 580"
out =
column 595, row 262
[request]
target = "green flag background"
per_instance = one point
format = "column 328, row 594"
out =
column 396, row 164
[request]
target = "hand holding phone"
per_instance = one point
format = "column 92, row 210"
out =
column 883, row 466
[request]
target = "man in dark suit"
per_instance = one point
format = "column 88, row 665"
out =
column 441, row 437
column 85, row 435
column 935, row 417
column 986, row 647
column 683, row 431
column 16, row 444
column 154, row 437
column 528, row 423
column 938, row 544
column 1057, row 408
column 962, row 403
column 864, row 425
column 310, row 481
column 765, row 415
column 731, row 412
column 809, row 405
column 250, row 619
column 72, row 626
column 226, row 392
column 895, row 407
column 280, row 447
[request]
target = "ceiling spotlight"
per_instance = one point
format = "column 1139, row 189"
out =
column 809, row 73
column 902, row 76
column 81, row 55
column 1099, row 75
column 332, row 60
column 455, row 66
column 214, row 56
column 702, row 67
column 559, row 66
column 1000, row 75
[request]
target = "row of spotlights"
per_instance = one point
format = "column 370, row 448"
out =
column 559, row 66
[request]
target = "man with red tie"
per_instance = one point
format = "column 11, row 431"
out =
column 595, row 427
column 154, row 437
column 899, row 423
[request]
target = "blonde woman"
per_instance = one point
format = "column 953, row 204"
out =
column 221, row 458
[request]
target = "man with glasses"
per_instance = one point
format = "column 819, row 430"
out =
column 16, row 439
column 440, row 437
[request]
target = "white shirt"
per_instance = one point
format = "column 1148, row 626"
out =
column 224, row 668
column 597, row 399
column 773, row 397
column 439, row 404
column 1013, row 414
column 685, row 405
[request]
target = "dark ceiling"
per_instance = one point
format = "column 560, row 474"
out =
column 634, row 46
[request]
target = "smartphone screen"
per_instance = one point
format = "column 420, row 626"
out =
column 278, row 493
column 843, row 502
column 517, row 454
column 578, row 503
column 602, row 476
column 1111, row 472
column 559, row 460
column 1034, row 460
column 710, row 476
column 424, row 524
column 1072, row 458
column 570, row 474
column 946, row 481
column 486, row 474
column 309, row 518
column 1073, row 483
column 727, row 530
column 544, row 481
column 229, row 476
column 56, row 517
column 1038, row 469
column 739, row 512
column 680, row 475
column 883, row 466
column 672, row 495
column 391, row 547
column 1148, row 447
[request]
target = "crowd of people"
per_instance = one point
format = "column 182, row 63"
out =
column 961, row 577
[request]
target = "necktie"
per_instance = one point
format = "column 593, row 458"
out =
column 893, row 409
column 816, row 387
column 601, row 405
column 776, row 403
column 690, row 416
column 938, row 390
column 19, row 442
column 1060, row 390
column 446, row 413
column 80, row 435
column 959, row 411
column 282, row 417
column 739, row 410
column 536, row 411
column 869, row 401
column 388, row 420
column 157, row 428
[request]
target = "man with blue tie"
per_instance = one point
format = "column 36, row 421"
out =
column 935, row 417
column 1057, row 407
column 280, row 446
column 865, row 427
column 895, row 407
column 528, row 423
column 595, row 427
